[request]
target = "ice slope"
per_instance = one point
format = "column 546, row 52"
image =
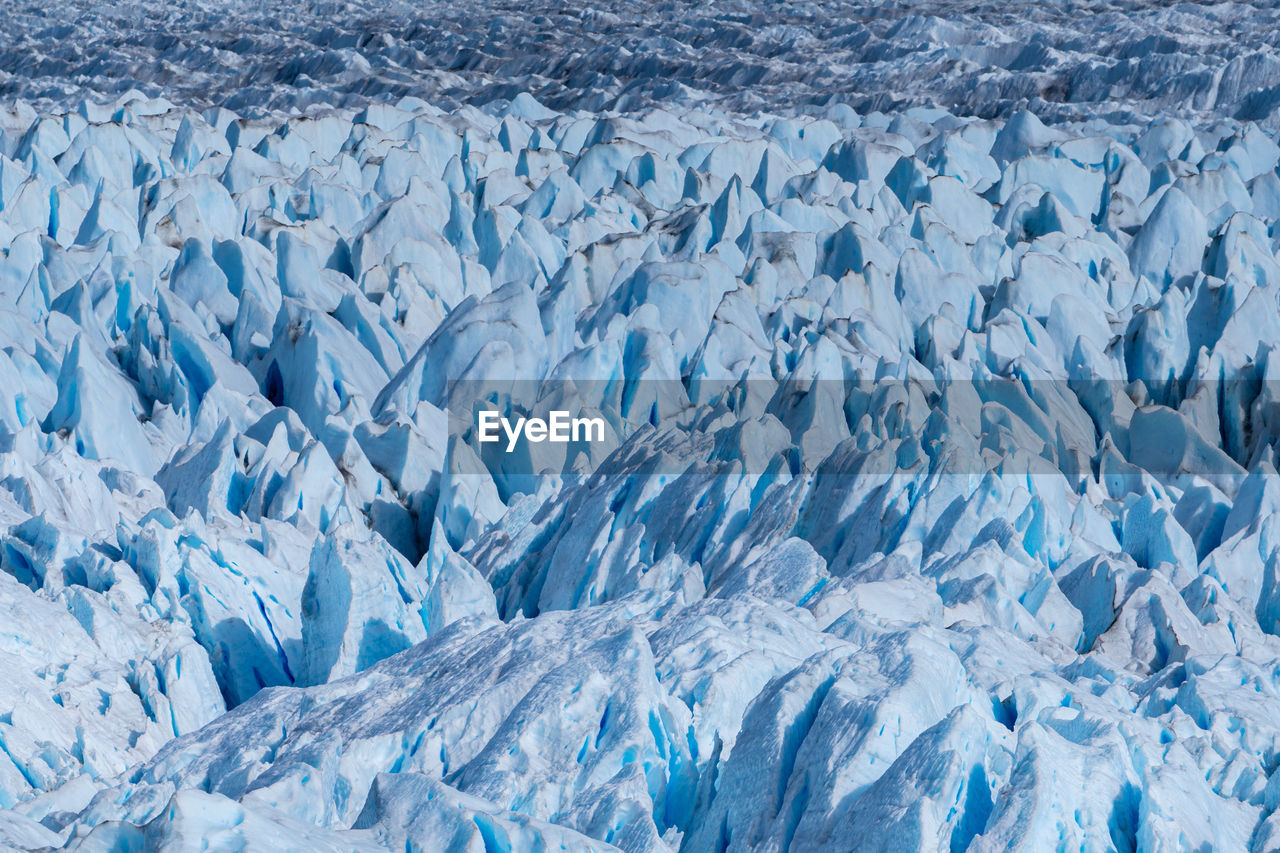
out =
column 936, row 509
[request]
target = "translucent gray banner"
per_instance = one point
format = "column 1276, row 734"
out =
column 1078, row 427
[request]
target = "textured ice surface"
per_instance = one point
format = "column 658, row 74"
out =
column 1067, row 58
column 937, row 505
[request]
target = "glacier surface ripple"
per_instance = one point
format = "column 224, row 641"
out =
column 1067, row 59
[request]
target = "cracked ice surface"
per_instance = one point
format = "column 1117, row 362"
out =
column 937, row 506
column 1068, row 58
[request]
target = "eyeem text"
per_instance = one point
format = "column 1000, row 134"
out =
column 559, row 427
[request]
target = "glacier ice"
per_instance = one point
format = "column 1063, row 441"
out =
column 935, row 507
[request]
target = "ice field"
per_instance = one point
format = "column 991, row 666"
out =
column 937, row 351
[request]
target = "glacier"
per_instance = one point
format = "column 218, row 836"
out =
column 936, row 505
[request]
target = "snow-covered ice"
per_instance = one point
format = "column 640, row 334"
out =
column 935, row 505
